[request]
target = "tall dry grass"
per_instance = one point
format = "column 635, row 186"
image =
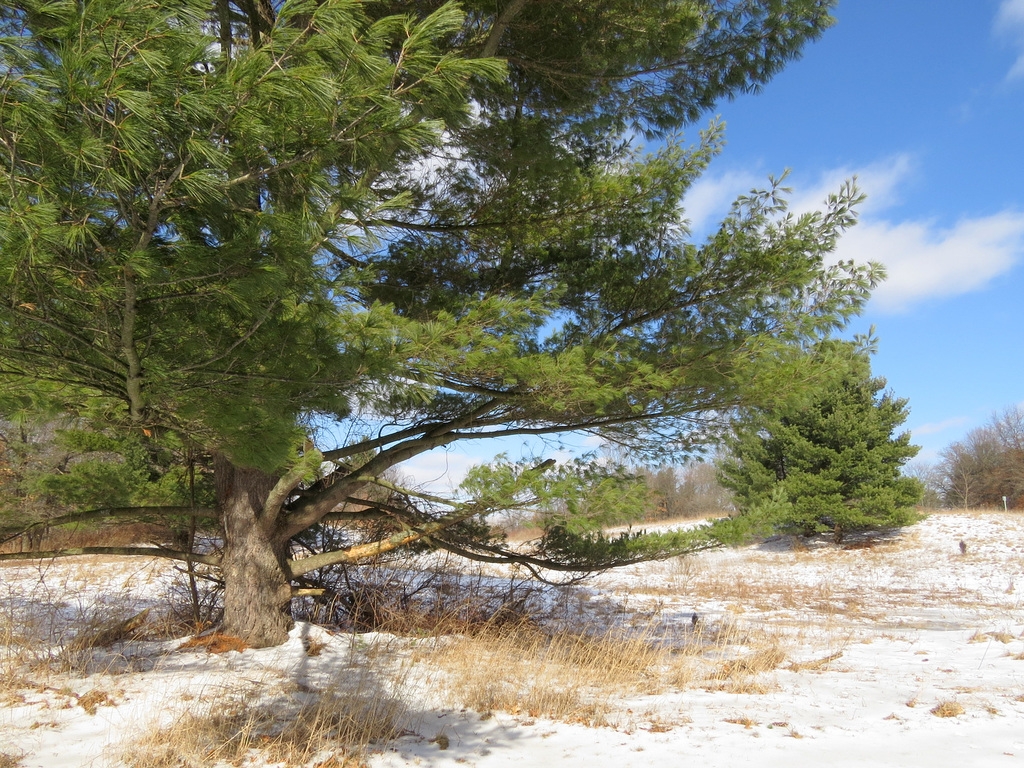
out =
column 492, row 652
column 582, row 676
column 567, row 677
column 285, row 726
column 67, row 619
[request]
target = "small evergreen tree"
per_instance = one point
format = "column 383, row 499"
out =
column 828, row 462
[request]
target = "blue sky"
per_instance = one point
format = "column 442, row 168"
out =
column 924, row 103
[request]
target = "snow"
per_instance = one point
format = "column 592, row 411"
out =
column 874, row 636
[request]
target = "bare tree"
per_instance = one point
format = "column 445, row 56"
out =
column 987, row 465
column 687, row 491
column 931, row 476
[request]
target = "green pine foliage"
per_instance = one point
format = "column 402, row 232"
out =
column 121, row 470
column 828, row 462
column 168, row 213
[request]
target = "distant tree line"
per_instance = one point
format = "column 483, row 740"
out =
column 986, row 466
column 685, row 492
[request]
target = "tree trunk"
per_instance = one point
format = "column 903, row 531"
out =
column 257, row 591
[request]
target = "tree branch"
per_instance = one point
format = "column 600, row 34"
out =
column 359, row 552
column 167, row 554
column 501, row 24
column 106, row 513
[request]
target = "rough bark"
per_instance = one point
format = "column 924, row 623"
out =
column 257, row 592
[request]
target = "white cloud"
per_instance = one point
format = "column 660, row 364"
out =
column 439, row 471
column 940, row 426
column 879, row 181
column 708, row 200
column 925, row 260
column 1010, row 23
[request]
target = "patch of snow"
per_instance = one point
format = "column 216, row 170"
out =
column 875, row 637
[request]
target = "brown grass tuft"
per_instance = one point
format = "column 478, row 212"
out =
column 110, row 632
column 566, row 676
column 758, row 662
column 325, row 728
column 816, row 664
column 985, row 637
column 97, row 697
column 947, row 708
column 744, row 720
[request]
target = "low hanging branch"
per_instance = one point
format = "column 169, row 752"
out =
column 110, row 513
column 167, row 554
column 403, row 538
column 595, row 553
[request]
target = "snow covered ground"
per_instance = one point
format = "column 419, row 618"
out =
column 868, row 646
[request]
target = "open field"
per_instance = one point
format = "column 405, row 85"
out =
column 901, row 650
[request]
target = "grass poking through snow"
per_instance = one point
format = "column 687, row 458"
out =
column 281, row 727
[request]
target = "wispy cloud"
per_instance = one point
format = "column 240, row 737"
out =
column 924, row 259
column 1009, row 23
column 940, row 426
column 880, row 181
column 710, row 197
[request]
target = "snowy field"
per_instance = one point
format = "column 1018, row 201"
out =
column 903, row 651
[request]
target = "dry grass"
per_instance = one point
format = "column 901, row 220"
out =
column 745, row 720
column 289, row 728
column 816, row 664
column 758, row 582
column 570, row 677
column 63, row 629
column 533, row 673
column 973, row 512
column 21, row 651
column 492, row 651
column 33, row 653
column 947, row 708
column 580, row 676
column 985, row 637
column 747, row 590
column 76, row 618
column 98, row 697
column 215, row 643
column 442, row 599
column 756, row 663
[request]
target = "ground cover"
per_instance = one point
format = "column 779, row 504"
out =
column 906, row 649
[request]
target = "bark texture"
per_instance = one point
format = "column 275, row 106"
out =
column 257, row 590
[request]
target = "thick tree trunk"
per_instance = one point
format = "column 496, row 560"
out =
column 257, row 591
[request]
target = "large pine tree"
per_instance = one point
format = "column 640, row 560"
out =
column 416, row 223
column 829, row 461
